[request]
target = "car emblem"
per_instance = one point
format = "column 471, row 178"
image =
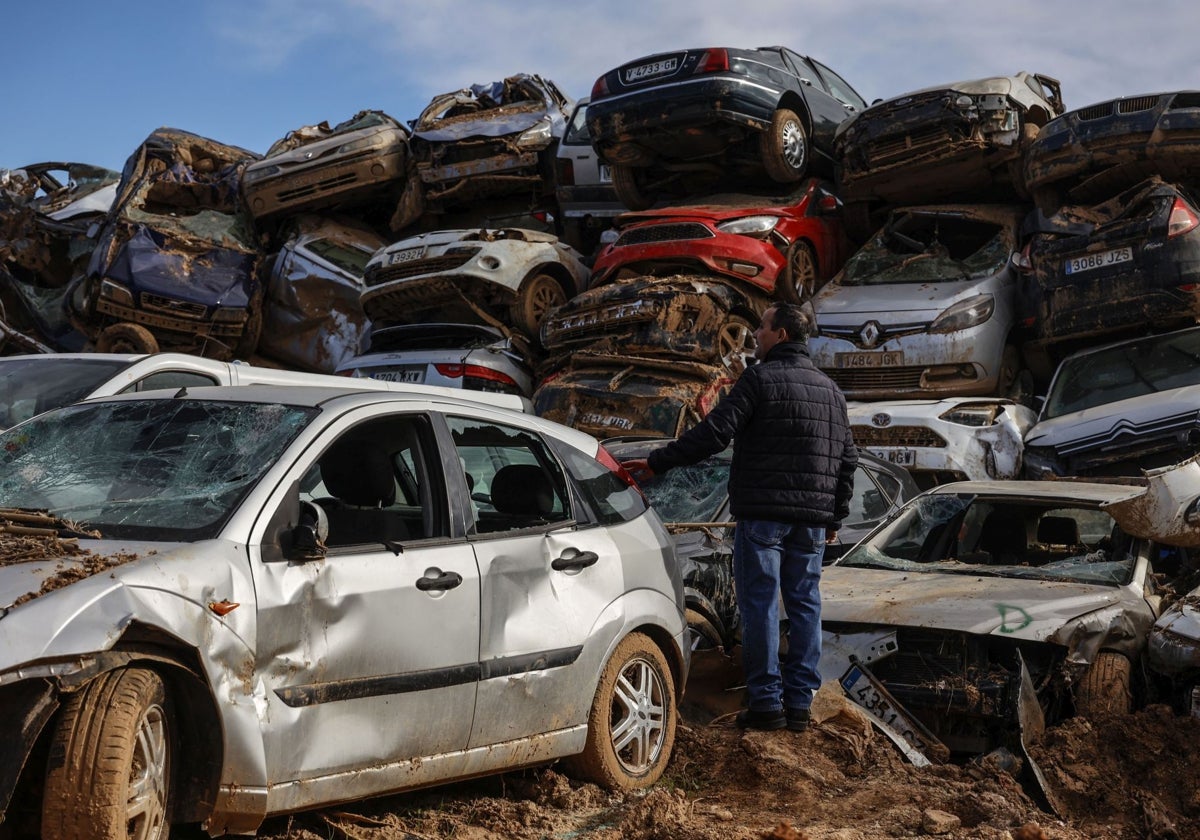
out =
column 308, row 155
column 881, row 419
column 903, row 100
column 869, row 334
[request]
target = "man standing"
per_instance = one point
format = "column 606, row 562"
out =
column 789, row 489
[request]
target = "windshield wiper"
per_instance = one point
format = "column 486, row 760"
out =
column 30, row 522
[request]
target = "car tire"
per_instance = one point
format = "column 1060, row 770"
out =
column 126, row 338
column 735, row 343
column 784, row 147
column 538, row 294
column 704, row 634
column 631, row 727
column 109, row 775
column 799, row 279
column 629, row 183
column 1105, row 687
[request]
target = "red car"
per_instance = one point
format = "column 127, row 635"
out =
column 787, row 247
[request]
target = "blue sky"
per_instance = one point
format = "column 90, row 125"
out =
column 87, row 81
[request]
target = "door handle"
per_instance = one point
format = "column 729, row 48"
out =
column 446, row 580
column 573, row 562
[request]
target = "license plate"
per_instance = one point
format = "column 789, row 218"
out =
column 892, row 358
column 605, row 174
column 654, row 68
column 900, row 457
column 1101, row 260
column 875, row 701
column 407, row 255
column 410, row 376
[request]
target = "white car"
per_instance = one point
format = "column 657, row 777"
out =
column 945, row 440
column 512, row 274
column 265, row 599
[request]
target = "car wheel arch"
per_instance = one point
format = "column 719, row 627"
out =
column 559, row 272
column 794, row 102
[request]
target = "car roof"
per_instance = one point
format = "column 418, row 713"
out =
column 1064, row 491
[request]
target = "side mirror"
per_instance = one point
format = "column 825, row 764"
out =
column 307, row 538
column 1021, row 262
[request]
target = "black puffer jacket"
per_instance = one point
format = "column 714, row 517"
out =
column 793, row 456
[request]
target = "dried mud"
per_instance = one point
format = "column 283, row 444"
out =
column 75, row 563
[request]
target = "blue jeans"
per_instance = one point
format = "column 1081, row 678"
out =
column 770, row 559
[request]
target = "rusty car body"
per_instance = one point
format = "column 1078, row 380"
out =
column 312, row 317
column 674, row 122
column 787, row 246
column 926, row 308
column 362, row 159
column 176, row 262
column 1120, row 409
column 953, row 439
column 176, row 624
column 1090, row 153
column 509, row 275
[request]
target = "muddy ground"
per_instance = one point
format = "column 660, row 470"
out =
column 1124, row 777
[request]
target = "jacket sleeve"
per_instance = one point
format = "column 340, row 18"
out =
column 714, row 432
column 845, row 486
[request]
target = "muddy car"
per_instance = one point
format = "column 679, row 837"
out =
column 175, row 266
column 1120, row 409
column 313, row 319
column 987, row 610
column 787, row 246
column 489, row 141
column 1096, row 273
column 1088, row 154
column 670, row 123
column 685, row 316
column 360, row 160
column 510, row 274
column 962, row 141
column 607, row 395
column 164, row 609
column 945, row 440
column 926, row 308
column 693, row 503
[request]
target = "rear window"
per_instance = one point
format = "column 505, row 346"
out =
column 605, row 492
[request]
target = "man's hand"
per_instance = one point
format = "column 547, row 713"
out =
column 639, row 468
column 831, row 536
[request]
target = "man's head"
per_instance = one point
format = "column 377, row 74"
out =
column 781, row 322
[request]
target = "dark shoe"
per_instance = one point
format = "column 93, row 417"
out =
column 797, row 719
column 765, row 720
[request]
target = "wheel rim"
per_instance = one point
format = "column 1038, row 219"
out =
column 804, row 272
column 793, row 144
column 735, row 344
column 543, row 296
column 639, row 716
column 146, row 810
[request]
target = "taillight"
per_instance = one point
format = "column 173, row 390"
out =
column 1182, row 219
column 566, row 172
column 709, row 399
column 346, row 372
column 714, row 61
column 600, row 88
column 456, row 371
column 605, row 457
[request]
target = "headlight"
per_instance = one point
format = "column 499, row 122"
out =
column 969, row 313
column 1040, row 461
column 357, row 145
column 980, row 414
column 116, row 292
column 537, row 137
column 758, row 226
column 964, row 101
column 1192, row 515
column 252, row 175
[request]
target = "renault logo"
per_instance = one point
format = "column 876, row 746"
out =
column 868, row 336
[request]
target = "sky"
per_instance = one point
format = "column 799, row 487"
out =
column 88, row 81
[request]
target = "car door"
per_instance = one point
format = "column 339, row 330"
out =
column 546, row 577
column 826, row 111
column 368, row 651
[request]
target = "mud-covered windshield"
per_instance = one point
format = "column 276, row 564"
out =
column 147, row 469
column 1135, row 369
column 30, row 386
column 1053, row 540
column 693, row 493
column 930, row 249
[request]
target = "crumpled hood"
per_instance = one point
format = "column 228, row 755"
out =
column 489, row 124
column 1105, row 419
column 893, row 303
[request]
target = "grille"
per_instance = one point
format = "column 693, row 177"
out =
column 1136, row 103
column 897, row 436
column 663, row 233
column 896, row 379
column 318, row 187
column 451, row 153
column 432, row 265
column 1095, row 112
column 171, row 306
column 888, row 148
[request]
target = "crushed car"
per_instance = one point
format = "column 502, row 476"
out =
column 509, row 275
column 1095, row 273
column 1120, row 409
column 312, row 317
column 673, row 123
column 787, row 246
column 587, row 200
column 926, row 308
column 159, row 597
column 176, row 263
column 953, row 439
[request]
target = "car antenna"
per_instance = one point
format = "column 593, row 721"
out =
column 180, row 394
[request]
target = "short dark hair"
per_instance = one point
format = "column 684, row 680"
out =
column 792, row 319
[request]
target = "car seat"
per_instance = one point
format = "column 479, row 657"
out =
column 523, row 493
column 1059, row 531
column 359, row 475
column 1003, row 537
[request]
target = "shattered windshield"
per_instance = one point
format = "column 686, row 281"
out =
column 694, row 493
column 147, row 469
column 1159, row 363
column 1042, row 539
column 30, row 386
column 929, row 249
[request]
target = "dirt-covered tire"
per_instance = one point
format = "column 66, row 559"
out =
column 800, row 276
column 784, row 147
column 735, row 343
column 631, row 727
column 1105, row 687
column 704, row 634
column 126, row 338
column 109, row 772
column 629, row 184
column 538, row 294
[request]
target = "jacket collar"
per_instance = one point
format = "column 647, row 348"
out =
column 787, row 350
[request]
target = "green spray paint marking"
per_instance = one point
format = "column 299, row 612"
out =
column 1016, row 613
